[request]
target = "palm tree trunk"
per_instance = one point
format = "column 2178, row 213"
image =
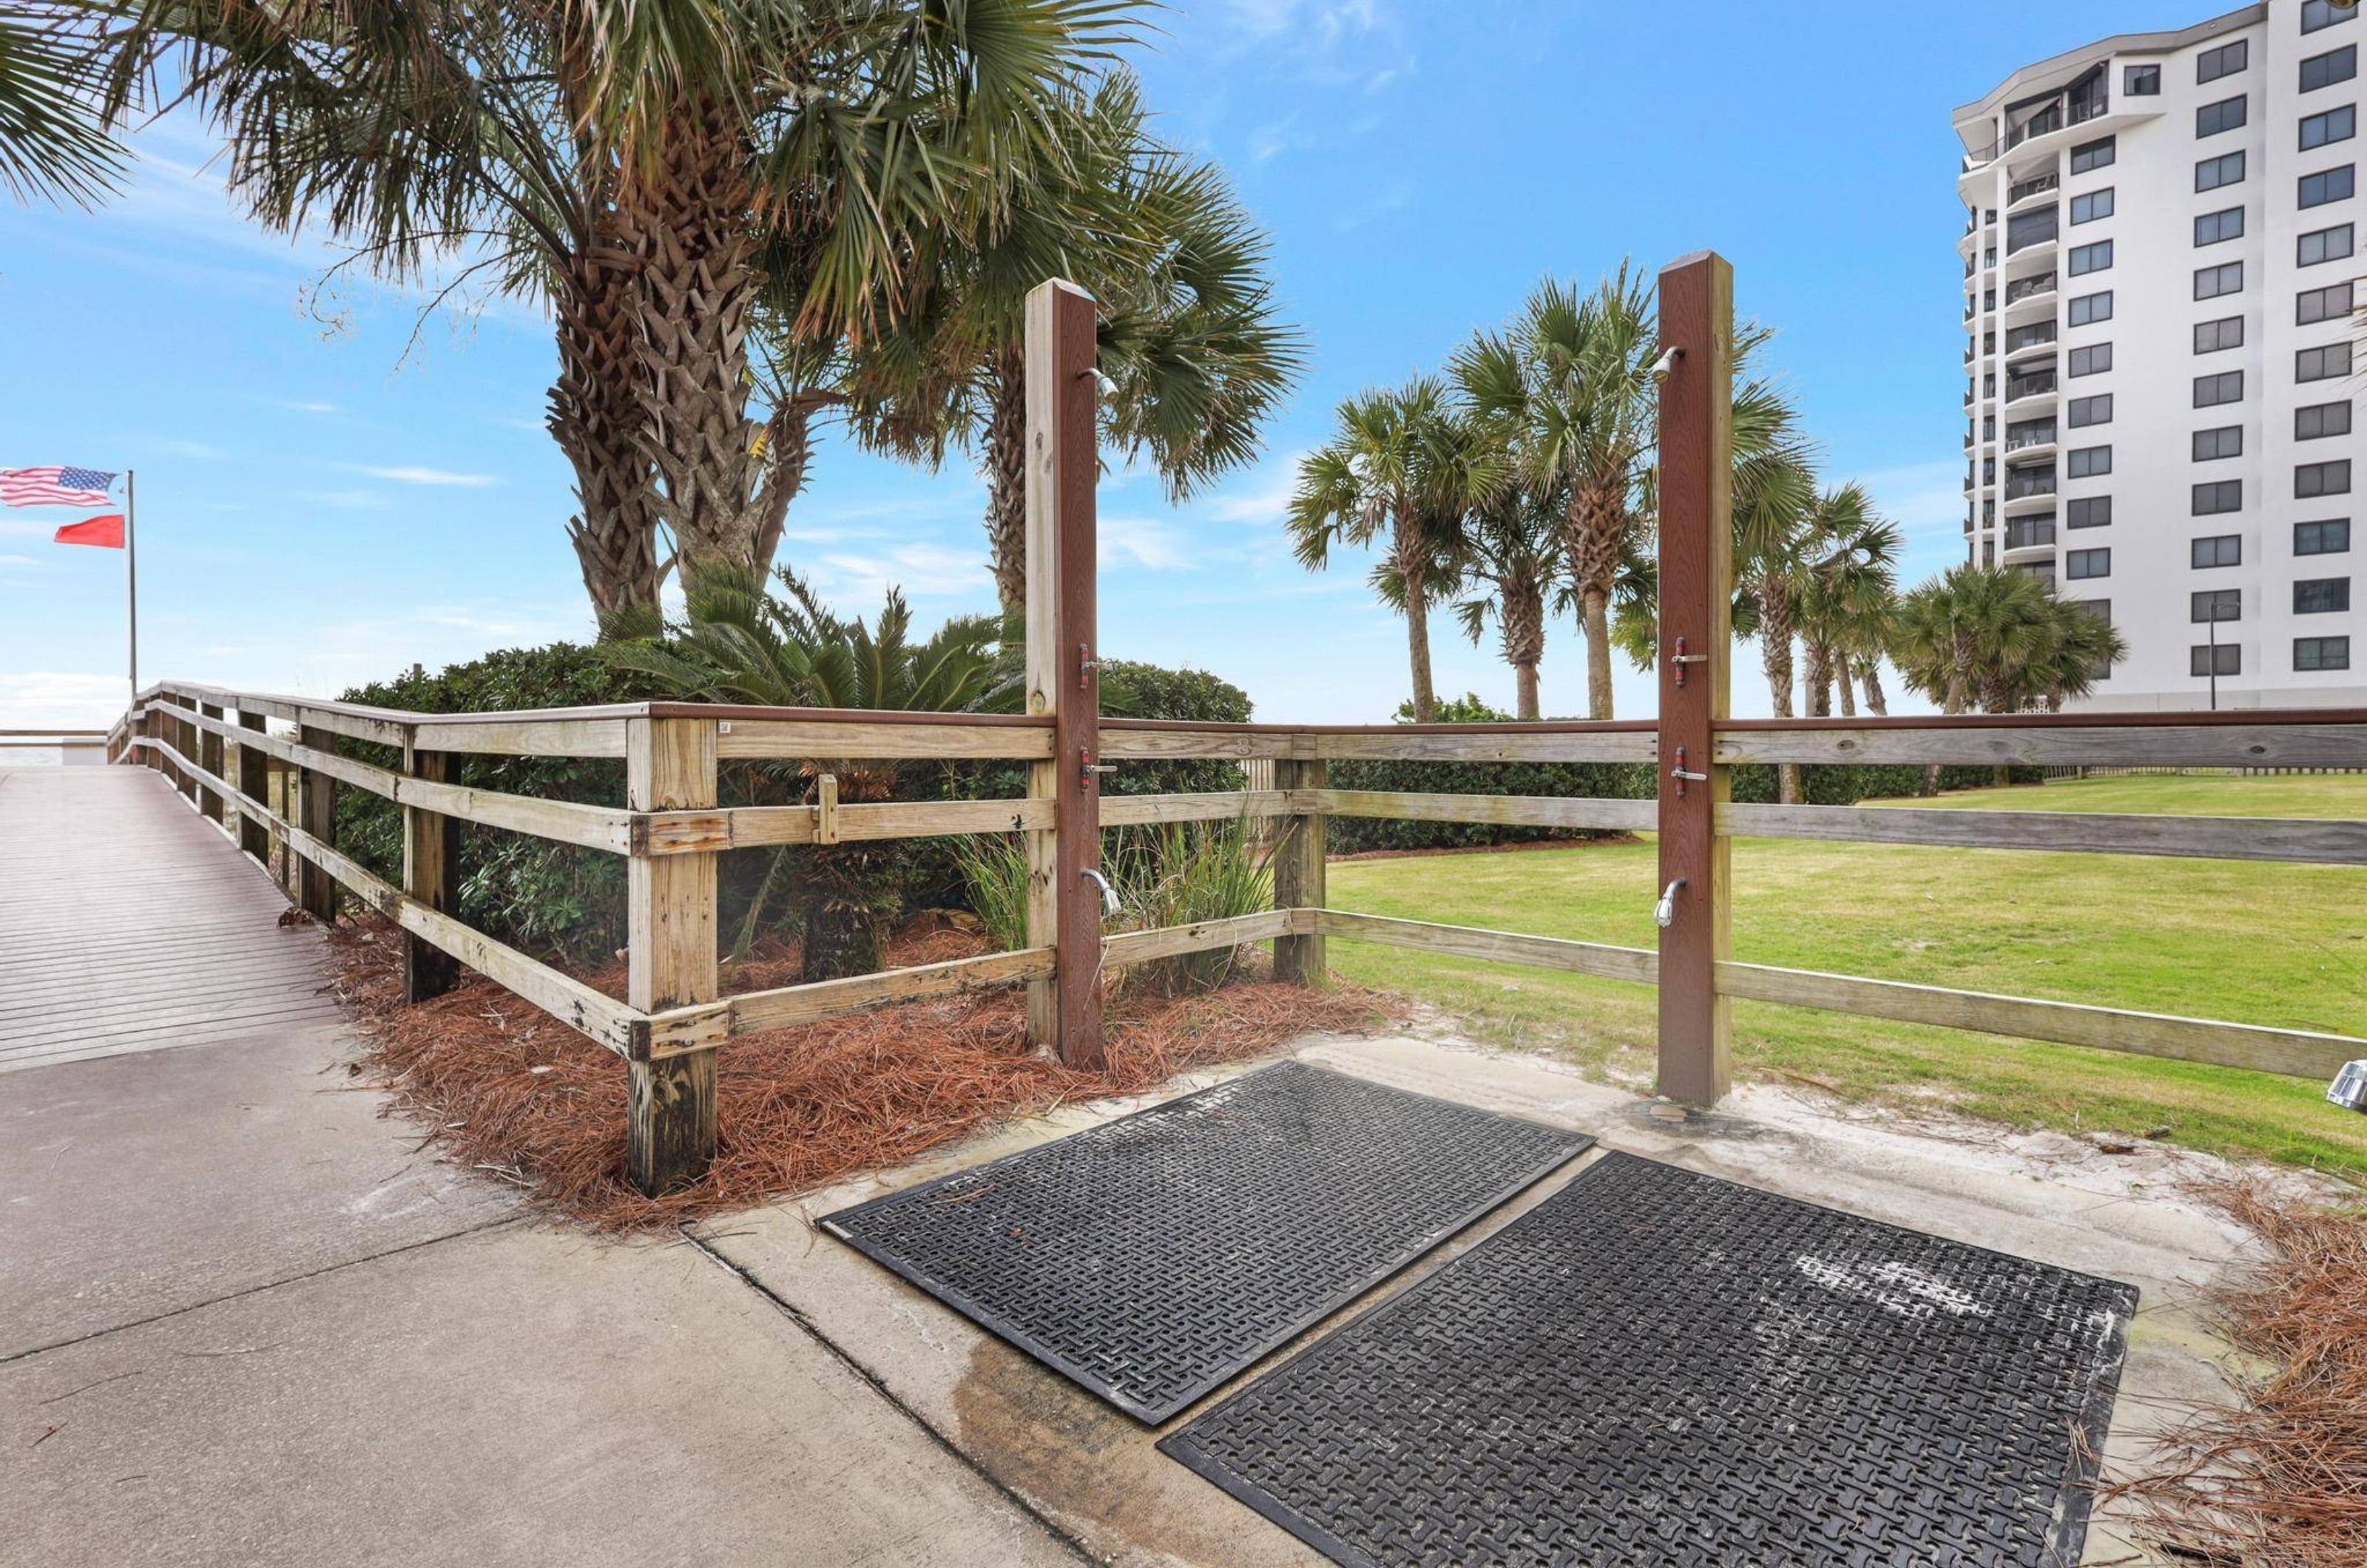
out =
column 687, row 221
column 1820, row 681
column 1521, row 610
column 1775, row 657
column 1417, row 614
column 1876, row 702
column 1843, row 685
column 1006, row 478
column 1596, row 527
column 1593, row 608
column 788, row 451
column 594, row 414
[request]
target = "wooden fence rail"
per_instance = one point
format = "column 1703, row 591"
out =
column 274, row 790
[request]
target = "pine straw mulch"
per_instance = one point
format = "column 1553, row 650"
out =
column 502, row 1088
column 2276, row 1476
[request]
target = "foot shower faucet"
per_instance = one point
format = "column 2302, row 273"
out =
column 1664, row 913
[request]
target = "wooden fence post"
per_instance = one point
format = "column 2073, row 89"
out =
column 669, row 935
column 1064, row 907
column 209, row 758
column 316, row 813
column 1298, row 874
column 185, row 740
column 431, row 873
column 1696, row 581
column 254, row 782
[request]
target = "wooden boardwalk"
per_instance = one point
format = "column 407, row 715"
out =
column 128, row 922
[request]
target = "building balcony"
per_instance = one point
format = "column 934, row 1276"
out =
column 2019, row 389
column 2023, row 484
column 2036, row 185
column 2060, row 114
column 2030, row 536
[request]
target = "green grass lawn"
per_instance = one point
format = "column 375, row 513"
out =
column 2250, row 942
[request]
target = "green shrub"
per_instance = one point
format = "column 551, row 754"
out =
column 1182, row 874
column 529, row 892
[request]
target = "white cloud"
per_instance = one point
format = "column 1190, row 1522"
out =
column 197, row 451
column 295, row 406
column 62, row 697
column 1263, row 496
column 1143, row 541
column 18, row 560
column 411, row 474
column 854, row 583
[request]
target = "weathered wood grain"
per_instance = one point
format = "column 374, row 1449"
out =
column 2327, row 843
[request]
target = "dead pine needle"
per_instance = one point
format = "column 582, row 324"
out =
column 796, row 1109
column 2275, row 1474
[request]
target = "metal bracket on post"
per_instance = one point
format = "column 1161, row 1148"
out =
column 1680, row 658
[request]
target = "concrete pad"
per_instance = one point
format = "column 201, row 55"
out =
column 517, row 1396
column 144, row 1184
column 1095, row 1470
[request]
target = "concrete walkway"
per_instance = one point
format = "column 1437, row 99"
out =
column 244, row 1321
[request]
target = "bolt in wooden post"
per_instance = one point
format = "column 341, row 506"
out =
column 431, row 873
column 1696, row 581
column 209, row 758
column 316, row 813
column 669, row 934
column 1064, row 909
column 253, row 782
column 1298, row 874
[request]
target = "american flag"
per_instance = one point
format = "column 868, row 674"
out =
column 55, row 487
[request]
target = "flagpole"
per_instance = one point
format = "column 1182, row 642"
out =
column 131, row 581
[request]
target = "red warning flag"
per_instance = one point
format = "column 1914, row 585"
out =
column 105, row 532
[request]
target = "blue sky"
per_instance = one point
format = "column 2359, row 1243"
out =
column 327, row 495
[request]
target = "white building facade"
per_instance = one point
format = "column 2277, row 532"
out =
column 2163, row 238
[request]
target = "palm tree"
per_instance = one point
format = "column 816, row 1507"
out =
column 1511, row 552
column 656, row 173
column 1848, row 559
column 1193, row 353
column 1569, row 382
column 1388, row 473
column 1992, row 637
column 53, row 145
column 737, row 642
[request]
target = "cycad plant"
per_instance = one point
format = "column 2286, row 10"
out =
column 739, row 642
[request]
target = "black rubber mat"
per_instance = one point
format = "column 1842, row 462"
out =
column 1656, row 1368
column 1156, row 1255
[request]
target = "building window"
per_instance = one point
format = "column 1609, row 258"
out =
column 2212, row 228
column 2086, row 462
column 2326, row 70
column 2330, row 537
column 2322, row 363
column 2097, row 410
column 2095, row 204
column 2078, row 564
column 2218, row 550
column 2211, row 282
column 2228, row 386
column 2094, row 359
column 2321, row 653
column 2321, row 596
column 2315, row 421
column 2323, row 245
column 2093, row 155
column 2322, row 479
column 2216, row 604
column 2224, row 61
column 2088, row 512
column 2226, row 658
column 2331, row 126
column 2227, row 114
column 2226, row 441
column 2210, row 337
column 2141, row 81
column 2326, row 185
column 2089, row 308
column 2226, row 169
column 2329, row 304
column 2218, row 496
column 2086, row 259
column 2316, row 13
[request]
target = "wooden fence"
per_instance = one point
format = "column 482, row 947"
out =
column 220, row 747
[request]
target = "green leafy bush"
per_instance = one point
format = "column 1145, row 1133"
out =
column 1185, row 872
column 529, row 892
